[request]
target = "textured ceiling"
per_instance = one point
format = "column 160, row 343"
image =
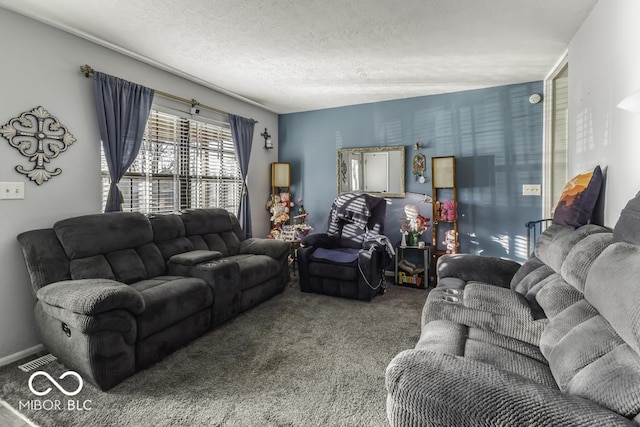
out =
column 298, row 55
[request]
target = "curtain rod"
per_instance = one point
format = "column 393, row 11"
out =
column 88, row 72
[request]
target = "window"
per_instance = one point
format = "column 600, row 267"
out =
column 182, row 163
column 556, row 136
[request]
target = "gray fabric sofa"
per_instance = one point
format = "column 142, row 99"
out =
column 553, row 342
column 116, row 292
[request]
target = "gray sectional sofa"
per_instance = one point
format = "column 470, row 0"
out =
column 116, row 292
column 552, row 342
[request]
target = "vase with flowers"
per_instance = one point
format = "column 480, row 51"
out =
column 413, row 225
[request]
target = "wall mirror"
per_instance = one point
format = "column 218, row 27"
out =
column 374, row 170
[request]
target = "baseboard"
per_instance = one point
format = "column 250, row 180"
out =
column 21, row 355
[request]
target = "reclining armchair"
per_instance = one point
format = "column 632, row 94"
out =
column 349, row 259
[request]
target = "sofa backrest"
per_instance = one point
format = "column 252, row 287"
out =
column 553, row 277
column 567, row 287
column 213, row 229
column 124, row 246
column 169, row 235
column 552, row 248
column 593, row 346
column 116, row 245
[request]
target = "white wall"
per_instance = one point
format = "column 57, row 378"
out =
column 41, row 67
column 604, row 67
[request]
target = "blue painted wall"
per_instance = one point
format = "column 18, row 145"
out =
column 495, row 133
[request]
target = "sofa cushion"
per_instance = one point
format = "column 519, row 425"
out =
column 206, row 221
column 578, row 199
column 612, row 288
column 169, row 300
column 533, row 278
column 592, row 361
column 169, row 235
column 580, row 258
column 93, row 267
column 564, row 322
column 166, row 227
column 226, row 243
column 90, row 235
column 531, row 264
column 271, row 247
column 152, row 259
column 127, row 265
column 556, row 241
column 487, row 307
column 484, row 346
column 556, row 296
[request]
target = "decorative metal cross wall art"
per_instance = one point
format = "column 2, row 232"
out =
column 40, row 137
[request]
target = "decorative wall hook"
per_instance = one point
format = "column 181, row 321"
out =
column 29, row 133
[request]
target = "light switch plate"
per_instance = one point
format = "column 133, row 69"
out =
column 11, row 190
column 531, row 190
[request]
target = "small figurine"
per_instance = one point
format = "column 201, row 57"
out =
column 450, row 241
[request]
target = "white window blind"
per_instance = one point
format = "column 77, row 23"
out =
column 182, row 163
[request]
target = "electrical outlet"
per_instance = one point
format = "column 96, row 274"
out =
column 11, row 190
column 531, row 190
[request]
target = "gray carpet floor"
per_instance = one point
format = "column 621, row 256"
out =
column 296, row 360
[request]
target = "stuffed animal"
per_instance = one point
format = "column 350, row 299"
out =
column 448, row 210
column 450, row 241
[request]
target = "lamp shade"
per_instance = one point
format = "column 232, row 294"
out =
column 631, row 102
column 280, row 174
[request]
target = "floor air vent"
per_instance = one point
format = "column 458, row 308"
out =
column 36, row 363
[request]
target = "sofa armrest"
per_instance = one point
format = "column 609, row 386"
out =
column 264, row 246
column 195, row 257
column 429, row 388
column 468, row 267
column 92, row 296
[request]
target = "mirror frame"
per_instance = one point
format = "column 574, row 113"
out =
column 343, row 153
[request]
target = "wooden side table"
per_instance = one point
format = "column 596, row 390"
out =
column 408, row 273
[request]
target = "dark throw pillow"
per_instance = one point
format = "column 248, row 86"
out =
column 578, row 199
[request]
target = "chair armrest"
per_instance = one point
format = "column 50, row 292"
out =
column 92, row 296
column 263, row 246
column 468, row 267
column 318, row 240
column 425, row 386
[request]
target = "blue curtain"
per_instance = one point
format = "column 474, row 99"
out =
column 123, row 109
column 242, row 133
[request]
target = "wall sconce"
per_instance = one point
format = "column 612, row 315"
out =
column 417, row 146
column 631, row 103
column 268, row 144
